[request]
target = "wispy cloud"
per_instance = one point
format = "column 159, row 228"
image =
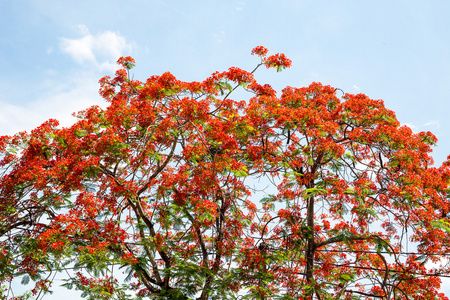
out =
column 101, row 50
column 59, row 102
column 434, row 123
column 66, row 93
column 356, row 88
column 240, row 5
column 219, row 36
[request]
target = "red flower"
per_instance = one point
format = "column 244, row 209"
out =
column 260, row 51
column 126, row 62
column 277, row 61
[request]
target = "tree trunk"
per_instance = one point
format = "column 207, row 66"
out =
column 310, row 245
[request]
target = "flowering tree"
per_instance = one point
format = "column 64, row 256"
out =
column 160, row 184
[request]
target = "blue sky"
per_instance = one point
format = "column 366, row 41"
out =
column 52, row 53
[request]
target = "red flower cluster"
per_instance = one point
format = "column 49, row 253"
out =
column 299, row 196
column 260, row 51
column 277, row 61
column 126, row 62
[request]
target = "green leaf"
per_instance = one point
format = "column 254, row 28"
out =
column 11, row 150
column 350, row 191
column 25, row 280
column 228, row 86
column 345, row 277
column 267, row 199
column 105, row 293
column 441, row 224
column 80, row 133
column 68, row 285
column 315, row 191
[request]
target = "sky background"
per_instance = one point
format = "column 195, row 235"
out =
column 52, row 53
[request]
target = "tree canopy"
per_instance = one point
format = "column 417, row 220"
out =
column 313, row 194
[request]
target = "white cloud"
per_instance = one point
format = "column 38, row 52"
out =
column 356, row 88
column 61, row 100
column 219, row 37
column 80, row 50
column 66, row 93
column 83, row 29
column 49, row 50
column 101, row 50
column 240, row 5
column 433, row 123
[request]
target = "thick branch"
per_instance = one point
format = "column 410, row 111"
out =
column 365, row 294
column 160, row 169
column 146, row 279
